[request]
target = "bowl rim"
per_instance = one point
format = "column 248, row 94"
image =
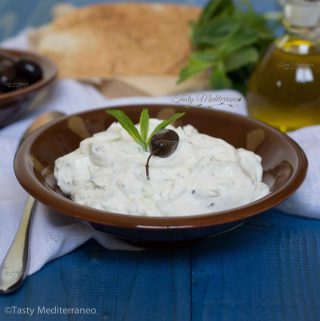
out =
column 47, row 64
column 23, row 168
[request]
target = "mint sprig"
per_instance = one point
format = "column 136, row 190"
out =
column 144, row 124
column 141, row 138
column 164, row 124
column 127, row 124
column 227, row 40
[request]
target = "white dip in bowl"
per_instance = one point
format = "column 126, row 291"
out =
column 204, row 175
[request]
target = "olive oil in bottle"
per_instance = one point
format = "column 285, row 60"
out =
column 284, row 89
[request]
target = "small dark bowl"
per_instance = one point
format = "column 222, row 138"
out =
column 15, row 103
column 283, row 161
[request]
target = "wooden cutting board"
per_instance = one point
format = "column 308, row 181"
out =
column 128, row 86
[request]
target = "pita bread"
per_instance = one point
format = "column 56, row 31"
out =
column 124, row 39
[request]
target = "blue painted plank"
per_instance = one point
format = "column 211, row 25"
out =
column 266, row 270
column 121, row 286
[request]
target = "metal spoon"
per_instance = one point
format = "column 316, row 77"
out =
column 14, row 265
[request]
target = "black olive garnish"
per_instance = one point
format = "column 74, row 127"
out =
column 162, row 144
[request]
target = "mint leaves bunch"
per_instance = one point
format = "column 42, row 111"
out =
column 228, row 39
column 141, row 137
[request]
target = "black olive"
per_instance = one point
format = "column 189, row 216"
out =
column 8, row 72
column 28, row 71
column 162, row 144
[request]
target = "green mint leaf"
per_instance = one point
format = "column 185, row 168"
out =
column 219, row 78
column 208, row 55
column 144, row 125
column 241, row 58
column 195, row 66
column 216, row 8
column 239, row 40
column 127, row 124
column 215, row 32
column 164, row 124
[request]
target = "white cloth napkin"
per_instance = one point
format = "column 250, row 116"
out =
column 306, row 201
column 52, row 234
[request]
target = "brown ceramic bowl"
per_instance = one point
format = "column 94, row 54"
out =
column 284, row 164
column 14, row 103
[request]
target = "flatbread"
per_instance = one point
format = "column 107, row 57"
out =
column 123, row 39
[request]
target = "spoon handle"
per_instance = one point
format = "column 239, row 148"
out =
column 14, row 265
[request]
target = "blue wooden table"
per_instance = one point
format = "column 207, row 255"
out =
column 266, row 270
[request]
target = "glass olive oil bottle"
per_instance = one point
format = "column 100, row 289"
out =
column 284, row 89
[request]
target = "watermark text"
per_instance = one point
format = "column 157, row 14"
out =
column 48, row 310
